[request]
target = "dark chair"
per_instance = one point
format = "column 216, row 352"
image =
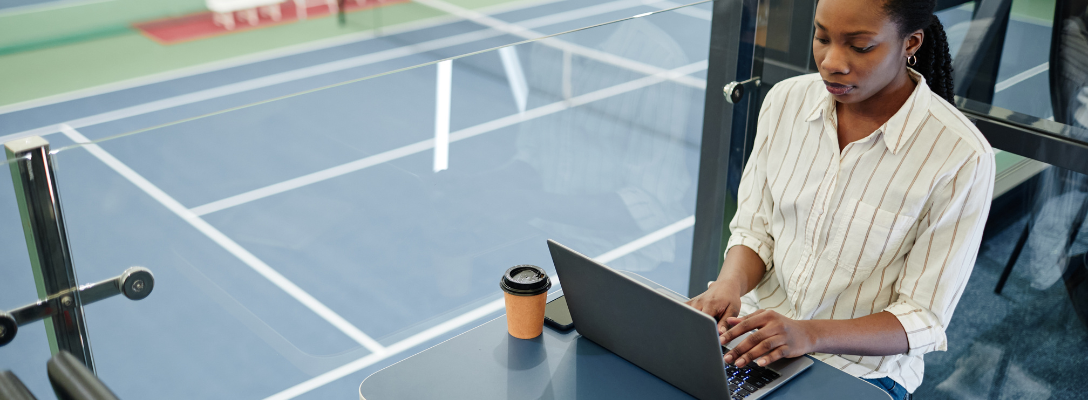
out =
column 11, row 388
column 72, row 380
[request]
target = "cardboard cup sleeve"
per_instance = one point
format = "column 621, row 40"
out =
column 525, row 315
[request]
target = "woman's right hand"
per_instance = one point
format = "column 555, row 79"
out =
column 721, row 300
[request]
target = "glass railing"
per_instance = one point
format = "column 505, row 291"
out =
column 301, row 243
column 1020, row 65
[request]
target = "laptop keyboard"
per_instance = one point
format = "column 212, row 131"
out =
column 748, row 379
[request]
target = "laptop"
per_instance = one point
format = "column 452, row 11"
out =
column 659, row 333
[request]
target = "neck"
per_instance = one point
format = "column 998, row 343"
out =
column 885, row 103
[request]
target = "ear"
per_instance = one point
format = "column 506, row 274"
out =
column 912, row 43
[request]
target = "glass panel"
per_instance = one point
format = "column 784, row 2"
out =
column 1034, row 84
column 1034, row 61
column 27, row 354
column 303, row 243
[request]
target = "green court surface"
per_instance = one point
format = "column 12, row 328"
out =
column 1039, row 10
column 56, row 51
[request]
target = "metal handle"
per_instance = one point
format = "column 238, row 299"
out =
column 38, row 197
column 135, row 283
column 734, row 91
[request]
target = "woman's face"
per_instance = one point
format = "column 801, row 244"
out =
column 858, row 49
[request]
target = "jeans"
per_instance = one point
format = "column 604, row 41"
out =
column 897, row 391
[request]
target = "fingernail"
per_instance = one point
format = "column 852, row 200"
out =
column 728, row 358
column 761, row 362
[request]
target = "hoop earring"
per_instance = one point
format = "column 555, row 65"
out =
column 912, row 60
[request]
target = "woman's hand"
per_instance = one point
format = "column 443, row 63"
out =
column 777, row 337
column 721, row 301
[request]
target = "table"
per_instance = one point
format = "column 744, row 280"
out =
column 487, row 363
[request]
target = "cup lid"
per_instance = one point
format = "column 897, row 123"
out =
column 525, row 280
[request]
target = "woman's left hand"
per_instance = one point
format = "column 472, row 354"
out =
column 777, row 337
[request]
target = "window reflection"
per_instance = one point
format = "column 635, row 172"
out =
column 622, row 155
column 1026, row 341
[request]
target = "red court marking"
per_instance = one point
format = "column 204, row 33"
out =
column 200, row 25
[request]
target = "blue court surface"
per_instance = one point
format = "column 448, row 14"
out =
column 302, row 244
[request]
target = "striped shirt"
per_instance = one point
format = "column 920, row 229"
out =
column 892, row 223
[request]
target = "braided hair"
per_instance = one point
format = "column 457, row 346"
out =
column 934, row 62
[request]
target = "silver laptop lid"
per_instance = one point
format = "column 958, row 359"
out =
column 671, row 340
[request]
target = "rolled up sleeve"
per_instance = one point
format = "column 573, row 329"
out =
column 943, row 255
column 751, row 223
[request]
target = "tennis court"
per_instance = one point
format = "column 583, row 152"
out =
column 371, row 255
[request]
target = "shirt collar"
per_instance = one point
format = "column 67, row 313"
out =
column 900, row 126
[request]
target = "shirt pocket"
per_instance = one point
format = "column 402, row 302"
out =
column 867, row 236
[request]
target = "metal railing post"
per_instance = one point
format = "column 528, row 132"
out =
column 35, row 183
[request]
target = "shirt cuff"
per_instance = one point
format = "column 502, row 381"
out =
column 764, row 250
column 924, row 332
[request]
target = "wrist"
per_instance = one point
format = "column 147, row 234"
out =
column 735, row 279
column 729, row 284
column 814, row 336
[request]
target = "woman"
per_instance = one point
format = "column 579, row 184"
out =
column 861, row 210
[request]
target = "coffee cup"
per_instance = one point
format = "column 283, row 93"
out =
column 525, row 289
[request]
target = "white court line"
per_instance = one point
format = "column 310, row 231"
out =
column 230, row 245
column 568, row 85
column 307, row 72
column 646, row 240
column 526, row 32
column 213, row 66
column 52, row 5
column 442, row 116
column 397, row 348
column 425, row 145
column 579, row 13
column 515, row 76
column 1023, row 76
column 689, row 11
column 262, row 82
column 464, row 319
